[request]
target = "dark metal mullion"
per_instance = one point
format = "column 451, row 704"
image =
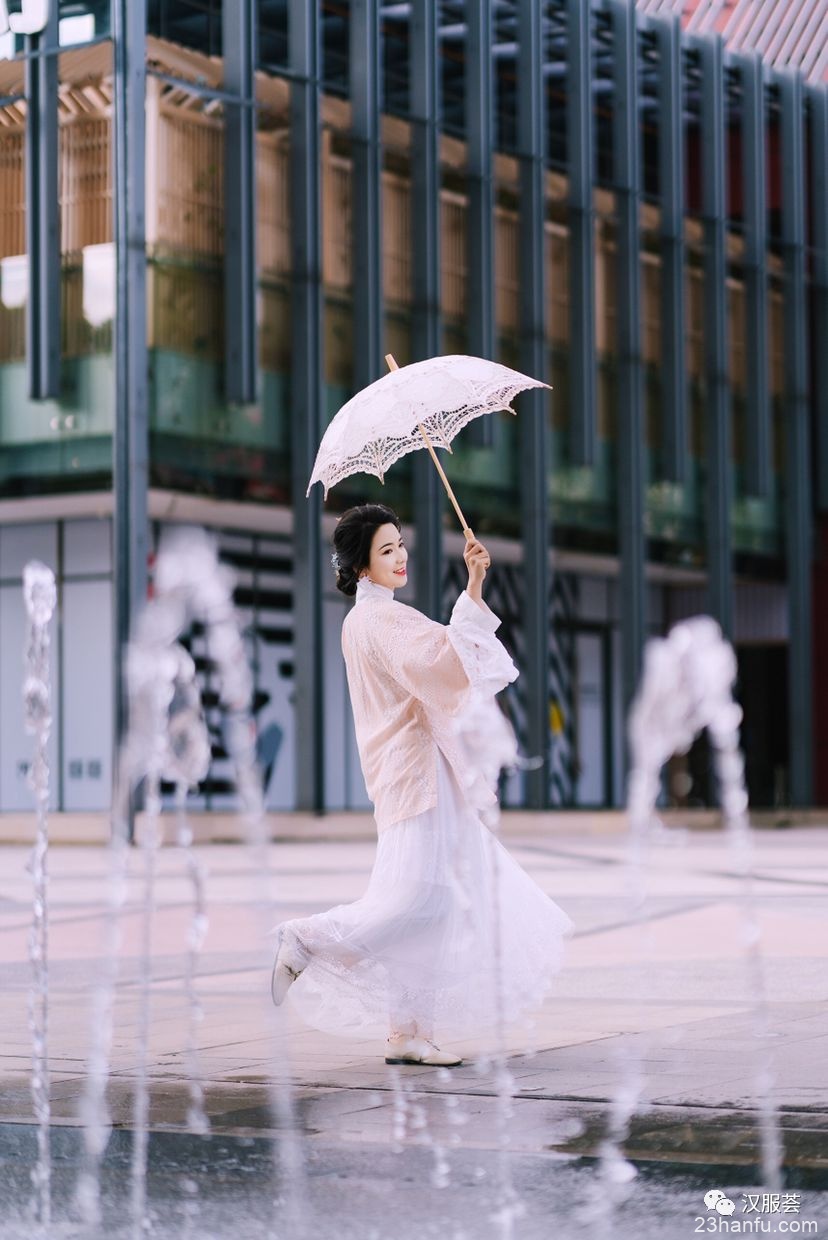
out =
column 130, row 446
column 631, row 438
column 758, row 420
column 582, row 416
column 240, row 333
column 366, row 82
column 199, row 90
column 426, row 317
column 797, row 420
column 480, row 129
column 532, row 422
column 718, row 437
column 43, row 213
column 306, row 398
column 130, row 429
column 671, row 181
column 818, row 98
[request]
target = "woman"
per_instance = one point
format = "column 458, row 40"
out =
column 451, row 932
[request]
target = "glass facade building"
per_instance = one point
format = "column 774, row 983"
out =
column 215, row 221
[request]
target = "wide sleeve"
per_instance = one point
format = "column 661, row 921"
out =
column 418, row 654
column 485, row 660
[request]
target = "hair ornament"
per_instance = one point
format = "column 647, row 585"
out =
column 336, row 562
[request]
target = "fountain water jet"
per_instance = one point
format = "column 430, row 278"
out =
column 686, row 687
column 166, row 738
column 492, row 746
column 186, row 764
column 40, row 597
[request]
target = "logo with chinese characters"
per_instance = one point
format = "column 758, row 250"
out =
column 765, row 1209
column 771, row 1203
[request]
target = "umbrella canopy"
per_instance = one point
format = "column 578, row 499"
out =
column 410, row 406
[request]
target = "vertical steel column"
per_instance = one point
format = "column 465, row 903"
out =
column 717, row 388
column 306, row 396
column 43, row 212
column 130, row 440
column 580, row 158
column 631, row 433
column 818, row 98
column 240, row 332
column 480, row 139
column 797, row 419
column 365, row 87
column 533, row 428
column 754, row 190
column 426, row 319
column 671, row 182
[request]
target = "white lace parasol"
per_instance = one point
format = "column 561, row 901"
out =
column 426, row 402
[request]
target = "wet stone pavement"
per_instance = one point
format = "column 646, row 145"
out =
column 664, row 1003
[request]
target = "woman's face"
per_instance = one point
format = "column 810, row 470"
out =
column 387, row 563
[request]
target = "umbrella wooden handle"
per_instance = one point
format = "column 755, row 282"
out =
column 392, row 365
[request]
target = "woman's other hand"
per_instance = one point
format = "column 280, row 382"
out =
column 478, row 561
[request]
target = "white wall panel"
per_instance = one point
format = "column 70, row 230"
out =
column 619, row 724
column 21, row 543
column 337, row 708
column 589, row 706
column 87, row 695
column 87, row 547
column 593, row 599
column 356, row 796
column 655, row 610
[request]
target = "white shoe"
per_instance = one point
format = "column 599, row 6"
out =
column 419, row 1050
column 286, row 968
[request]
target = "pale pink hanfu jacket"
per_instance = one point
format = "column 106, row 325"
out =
column 414, row 685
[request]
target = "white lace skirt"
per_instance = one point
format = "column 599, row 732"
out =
column 450, row 933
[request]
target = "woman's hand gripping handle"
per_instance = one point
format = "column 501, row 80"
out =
column 478, row 561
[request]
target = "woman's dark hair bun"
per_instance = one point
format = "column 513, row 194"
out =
column 352, row 540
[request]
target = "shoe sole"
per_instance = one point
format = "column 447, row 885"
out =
column 277, row 1002
column 282, row 994
column 423, row 1063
